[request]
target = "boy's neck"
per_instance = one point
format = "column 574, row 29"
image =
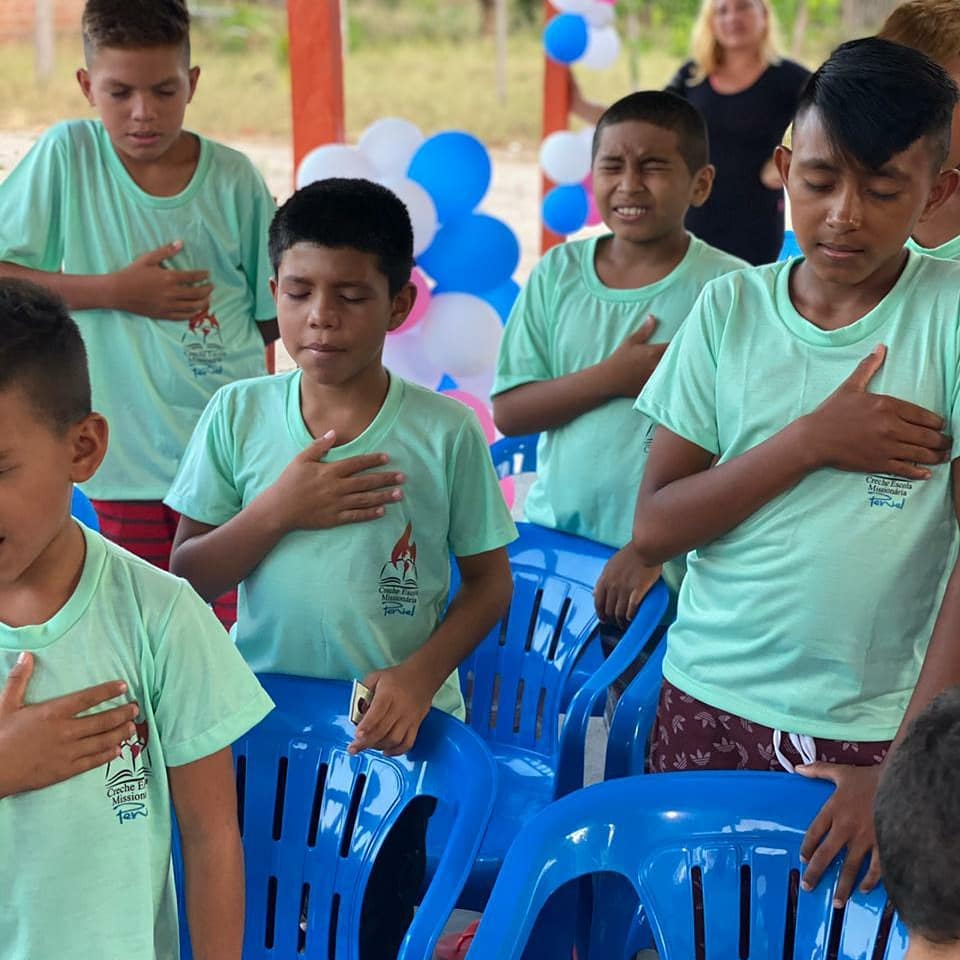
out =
column 44, row 587
column 943, row 226
column 348, row 408
column 169, row 175
column 921, row 949
column 831, row 306
column 622, row 264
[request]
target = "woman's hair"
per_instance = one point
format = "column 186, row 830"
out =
column 707, row 53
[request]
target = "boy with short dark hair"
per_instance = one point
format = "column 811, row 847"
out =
column 157, row 240
column 593, row 321
column 933, row 28
column 917, row 810
column 335, row 495
column 803, row 455
column 87, row 861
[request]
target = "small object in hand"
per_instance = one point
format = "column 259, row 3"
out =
column 360, row 698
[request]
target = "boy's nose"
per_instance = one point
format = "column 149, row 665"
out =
column 846, row 212
column 143, row 108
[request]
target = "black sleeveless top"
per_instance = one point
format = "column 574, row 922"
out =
column 742, row 216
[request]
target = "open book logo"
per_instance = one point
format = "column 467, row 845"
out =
column 127, row 776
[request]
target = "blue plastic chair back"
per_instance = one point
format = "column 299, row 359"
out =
column 514, row 682
column 790, row 246
column 312, row 819
column 713, row 858
column 514, row 455
column 82, row 509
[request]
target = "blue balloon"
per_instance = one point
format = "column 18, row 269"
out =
column 565, row 38
column 454, row 168
column 472, row 254
column 447, row 383
column 565, row 209
column 502, row 298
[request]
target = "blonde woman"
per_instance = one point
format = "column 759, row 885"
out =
column 747, row 94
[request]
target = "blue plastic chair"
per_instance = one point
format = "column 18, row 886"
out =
column 514, row 684
column 714, row 859
column 515, row 455
column 790, row 246
column 313, row 818
column 82, row 509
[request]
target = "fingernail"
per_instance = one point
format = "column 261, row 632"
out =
column 400, row 478
column 329, row 435
column 379, row 511
column 396, row 494
column 837, row 904
column 123, row 687
column 22, row 658
column 806, row 886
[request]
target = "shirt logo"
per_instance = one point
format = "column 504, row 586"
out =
column 126, row 777
column 885, row 492
column 203, row 344
column 399, row 583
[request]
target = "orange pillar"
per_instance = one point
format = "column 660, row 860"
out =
column 556, row 112
column 316, row 80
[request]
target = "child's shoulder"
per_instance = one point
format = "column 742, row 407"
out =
column 256, row 392
column 709, row 262
column 440, row 416
column 74, row 137
column 565, row 257
column 228, row 163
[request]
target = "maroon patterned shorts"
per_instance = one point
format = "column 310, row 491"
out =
column 691, row 735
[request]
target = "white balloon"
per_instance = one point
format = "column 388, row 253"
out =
column 565, row 157
column 334, row 160
column 389, row 144
column 461, row 334
column 603, row 48
column 406, row 356
column 479, row 386
column 573, row 6
column 420, row 206
column 599, row 14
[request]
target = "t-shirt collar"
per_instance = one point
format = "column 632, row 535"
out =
column 600, row 290
column 36, row 636
column 862, row 329
column 367, row 442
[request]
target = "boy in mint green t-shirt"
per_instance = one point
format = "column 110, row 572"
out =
column 156, row 238
column 335, row 496
column 593, row 321
column 803, row 457
column 86, row 861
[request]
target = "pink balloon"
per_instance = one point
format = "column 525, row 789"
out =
column 479, row 408
column 611, row 2
column 509, row 490
column 419, row 280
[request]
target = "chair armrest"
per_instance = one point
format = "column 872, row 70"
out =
column 633, row 719
column 574, row 733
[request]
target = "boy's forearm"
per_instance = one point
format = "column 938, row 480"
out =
column 78, row 292
column 479, row 604
column 213, row 868
column 548, row 404
column 696, row 509
column 216, row 561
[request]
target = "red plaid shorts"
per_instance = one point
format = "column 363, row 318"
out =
column 146, row 528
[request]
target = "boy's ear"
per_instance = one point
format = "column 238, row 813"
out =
column 703, row 185
column 944, row 187
column 402, row 305
column 86, row 88
column 274, row 288
column 89, row 438
column 194, row 80
column 782, row 158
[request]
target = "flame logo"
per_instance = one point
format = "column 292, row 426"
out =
column 405, row 549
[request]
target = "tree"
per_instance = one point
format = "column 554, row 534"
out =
column 861, row 15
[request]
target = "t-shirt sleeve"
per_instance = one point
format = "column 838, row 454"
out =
column 31, row 222
column 205, row 488
column 256, row 255
column 525, row 349
column 678, row 82
column 192, row 652
column 681, row 393
column 479, row 517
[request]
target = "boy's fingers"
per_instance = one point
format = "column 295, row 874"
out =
column 163, row 253
column 15, row 689
column 874, row 873
column 645, row 331
column 917, row 455
column 901, row 468
column 867, row 368
column 193, row 278
column 319, row 448
column 117, row 719
column 821, row 860
column 367, row 461
column 377, row 721
column 367, row 501
column 73, row 703
column 361, row 516
column 364, row 483
column 816, row 831
column 104, row 743
column 848, row 874
column 915, row 414
column 94, row 760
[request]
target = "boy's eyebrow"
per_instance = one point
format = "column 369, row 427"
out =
column 887, row 172
column 167, row 81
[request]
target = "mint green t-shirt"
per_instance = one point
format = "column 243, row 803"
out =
column 71, row 206
column 565, row 319
column 86, row 863
column 813, row 615
column 946, row 251
column 342, row 602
